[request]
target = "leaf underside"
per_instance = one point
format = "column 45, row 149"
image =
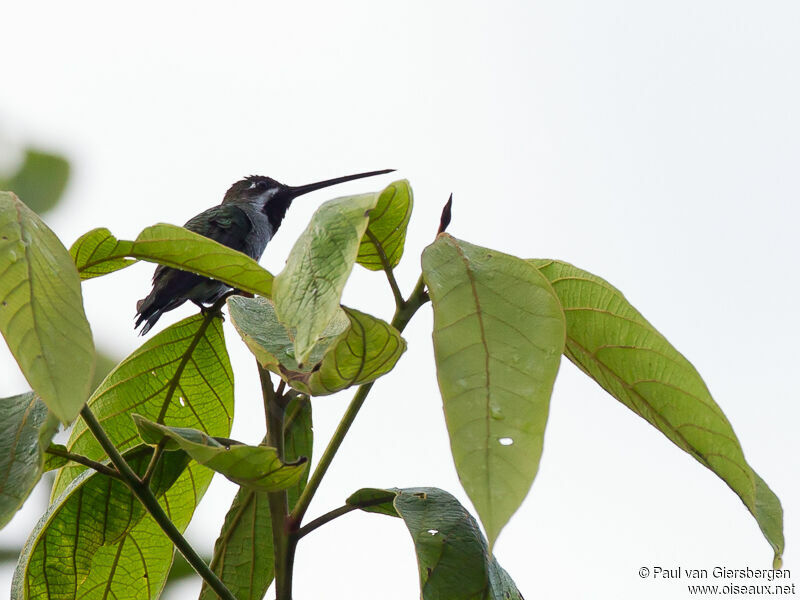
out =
column 498, row 337
column 308, row 291
column 452, row 555
column 613, row 343
column 92, row 542
column 25, row 432
column 386, row 231
column 41, row 310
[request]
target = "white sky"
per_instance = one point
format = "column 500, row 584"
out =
column 655, row 144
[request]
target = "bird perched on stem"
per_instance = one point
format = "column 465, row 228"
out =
column 247, row 219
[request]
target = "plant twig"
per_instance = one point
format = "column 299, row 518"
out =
column 86, row 462
column 283, row 551
column 149, row 501
column 326, row 518
column 401, row 318
column 151, row 467
column 387, row 268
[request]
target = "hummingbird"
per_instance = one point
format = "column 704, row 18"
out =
column 247, row 219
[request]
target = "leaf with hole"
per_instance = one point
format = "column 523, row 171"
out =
column 386, row 231
column 181, row 375
column 452, row 555
column 89, row 543
column 308, row 291
column 25, row 431
column 609, row 340
column 498, row 334
column 243, row 554
column 256, row 467
column 41, row 310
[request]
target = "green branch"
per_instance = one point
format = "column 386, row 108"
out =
column 401, row 318
column 149, row 501
column 83, row 460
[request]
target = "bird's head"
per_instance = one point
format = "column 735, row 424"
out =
column 274, row 198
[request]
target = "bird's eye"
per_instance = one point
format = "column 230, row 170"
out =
column 261, row 186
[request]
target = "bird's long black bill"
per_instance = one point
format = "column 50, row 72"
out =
column 299, row 190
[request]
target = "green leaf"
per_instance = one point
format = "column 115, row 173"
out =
column 613, row 343
column 374, row 500
column 452, row 554
column 308, row 290
column 355, row 348
column 41, row 310
column 98, row 252
column 257, row 467
column 41, row 180
column 387, row 227
column 368, row 349
column 96, row 518
column 243, row 555
column 53, row 461
column 270, row 342
column 25, row 430
column 498, row 334
column 182, row 375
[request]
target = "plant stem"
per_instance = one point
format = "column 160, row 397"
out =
column 387, row 267
column 283, row 549
column 146, row 497
column 401, row 318
column 86, row 462
column 327, row 517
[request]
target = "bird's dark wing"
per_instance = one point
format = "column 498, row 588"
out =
column 226, row 224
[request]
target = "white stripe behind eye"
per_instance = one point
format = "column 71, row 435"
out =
column 252, row 185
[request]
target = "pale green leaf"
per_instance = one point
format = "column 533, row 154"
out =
column 270, row 342
column 355, row 348
column 374, row 500
column 308, row 291
column 98, row 252
column 40, row 180
column 256, row 467
column 243, row 554
column 41, row 310
column 386, row 231
column 181, row 376
column 97, row 517
column 498, row 334
column 25, row 431
column 613, row 343
column 452, row 555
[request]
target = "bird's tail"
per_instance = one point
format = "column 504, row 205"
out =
column 149, row 311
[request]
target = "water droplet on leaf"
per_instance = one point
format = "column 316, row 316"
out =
column 505, row 441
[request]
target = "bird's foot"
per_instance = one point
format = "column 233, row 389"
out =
column 209, row 310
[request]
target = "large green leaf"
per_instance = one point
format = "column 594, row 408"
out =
column 243, row 555
column 256, row 467
column 452, row 554
column 355, row 348
column 614, row 344
column 40, row 180
column 25, row 432
column 270, row 342
column 96, row 518
column 307, row 292
column 386, row 232
column 97, row 252
column 41, row 310
column 181, row 376
column 498, row 334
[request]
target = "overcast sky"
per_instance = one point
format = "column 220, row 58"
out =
column 653, row 143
